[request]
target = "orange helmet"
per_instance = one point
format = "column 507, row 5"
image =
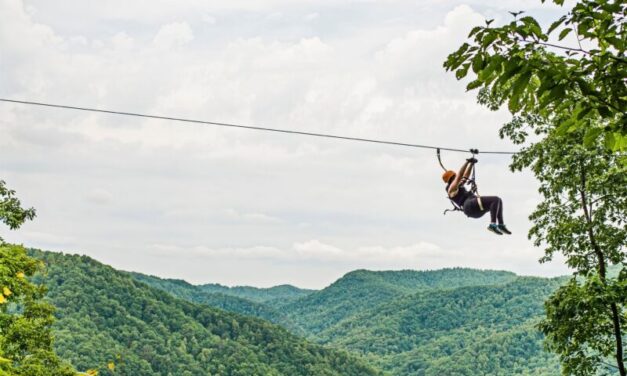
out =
column 448, row 175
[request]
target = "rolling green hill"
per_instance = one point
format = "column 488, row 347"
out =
column 451, row 321
column 229, row 299
column 361, row 289
column 444, row 322
column 105, row 315
column 260, row 295
column 463, row 331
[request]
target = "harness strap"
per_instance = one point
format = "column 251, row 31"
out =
column 473, row 184
column 479, row 202
column 440, row 159
column 455, row 208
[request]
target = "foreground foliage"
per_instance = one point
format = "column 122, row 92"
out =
column 573, row 87
column 25, row 318
column 574, row 102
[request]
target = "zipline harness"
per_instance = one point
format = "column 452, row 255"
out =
column 469, row 181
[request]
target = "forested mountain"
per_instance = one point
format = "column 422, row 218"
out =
column 361, row 289
column 451, row 321
column 463, row 331
column 260, row 295
column 105, row 315
column 230, row 299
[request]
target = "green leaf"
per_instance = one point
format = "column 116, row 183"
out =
column 514, row 104
column 462, row 72
column 477, row 63
column 512, row 67
column 617, row 43
column 556, row 94
column 610, row 141
column 591, row 136
column 564, row 33
column 556, row 24
column 564, row 127
column 488, row 39
column 474, row 31
column 521, row 83
column 474, row 84
column 486, row 72
column 621, row 142
column 585, row 111
column 536, row 31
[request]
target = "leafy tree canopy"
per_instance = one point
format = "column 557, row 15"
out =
column 11, row 212
column 573, row 86
column 25, row 318
column 574, row 100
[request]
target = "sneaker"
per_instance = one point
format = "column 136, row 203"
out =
column 504, row 229
column 494, row 228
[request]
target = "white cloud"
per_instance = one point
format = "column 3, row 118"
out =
column 50, row 239
column 122, row 41
column 209, row 19
column 99, row 196
column 259, row 218
column 173, row 35
column 314, row 250
column 312, row 16
column 257, row 252
column 318, row 250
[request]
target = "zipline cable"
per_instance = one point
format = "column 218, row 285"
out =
column 88, row 109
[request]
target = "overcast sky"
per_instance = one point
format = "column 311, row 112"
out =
column 233, row 206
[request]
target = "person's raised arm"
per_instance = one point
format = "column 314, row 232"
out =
column 471, row 164
column 452, row 189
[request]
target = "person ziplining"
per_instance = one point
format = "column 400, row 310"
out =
column 469, row 201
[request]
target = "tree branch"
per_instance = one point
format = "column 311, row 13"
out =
column 570, row 49
column 601, row 260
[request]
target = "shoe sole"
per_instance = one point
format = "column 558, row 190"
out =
column 505, row 232
column 495, row 231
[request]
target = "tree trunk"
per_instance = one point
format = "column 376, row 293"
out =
column 602, row 273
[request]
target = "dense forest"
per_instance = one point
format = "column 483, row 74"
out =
column 425, row 322
column 361, row 288
column 243, row 300
column 434, row 330
column 401, row 322
column 105, row 316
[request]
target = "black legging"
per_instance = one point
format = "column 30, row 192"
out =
column 492, row 204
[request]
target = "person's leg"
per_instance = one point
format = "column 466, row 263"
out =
column 499, row 211
column 501, row 224
column 493, row 204
column 496, row 213
column 472, row 209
